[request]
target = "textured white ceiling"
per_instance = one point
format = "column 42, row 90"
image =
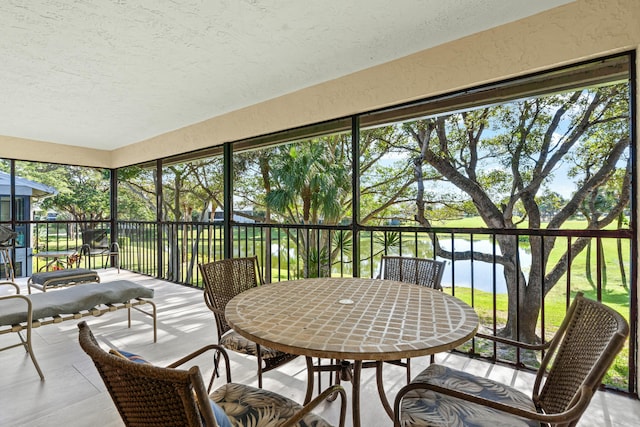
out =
column 108, row 73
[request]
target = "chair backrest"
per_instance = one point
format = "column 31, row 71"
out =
column 579, row 354
column 6, row 235
column 148, row 395
column 420, row 271
column 95, row 238
column 223, row 280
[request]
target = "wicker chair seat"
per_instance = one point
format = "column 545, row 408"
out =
column 235, row 342
column 249, row 406
column 574, row 362
column 223, row 280
column 427, row 408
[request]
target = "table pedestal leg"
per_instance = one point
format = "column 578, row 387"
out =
column 345, row 371
column 355, row 386
column 311, row 370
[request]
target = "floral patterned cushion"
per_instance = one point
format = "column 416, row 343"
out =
column 236, row 342
column 248, row 406
column 427, row 408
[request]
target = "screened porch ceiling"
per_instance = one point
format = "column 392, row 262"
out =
column 106, row 74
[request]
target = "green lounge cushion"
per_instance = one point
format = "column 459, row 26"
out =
column 63, row 277
column 72, row 300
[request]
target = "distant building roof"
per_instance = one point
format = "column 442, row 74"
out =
column 218, row 215
column 24, row 187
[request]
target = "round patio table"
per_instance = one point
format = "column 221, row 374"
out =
column 352, row 319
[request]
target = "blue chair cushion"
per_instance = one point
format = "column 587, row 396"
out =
column 131, row 356
column 221, row 417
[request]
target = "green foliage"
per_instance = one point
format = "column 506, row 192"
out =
column 342, row 239
column 386, row 176
column 136, row 194
column 83, row 193
column 310, row 181
column 193, row 185
column 550, row 203
column 389, row 240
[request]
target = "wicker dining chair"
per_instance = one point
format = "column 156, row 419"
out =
column 223, row 280
column 576, row 360
column 147, row 395
column 419, row 271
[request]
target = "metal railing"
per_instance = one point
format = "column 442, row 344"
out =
column 474, row 271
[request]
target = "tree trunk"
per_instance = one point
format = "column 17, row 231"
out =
column 523, row 296
column 587, row 267
column 623, row 273
column 173, row 262
column 602, row 265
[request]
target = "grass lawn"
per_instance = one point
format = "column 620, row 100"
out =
column 555, row 309
column 613, row 290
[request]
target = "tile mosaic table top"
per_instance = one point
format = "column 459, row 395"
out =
column 352, row 318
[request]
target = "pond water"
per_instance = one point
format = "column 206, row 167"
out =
column 480, row 274
column 464, row 273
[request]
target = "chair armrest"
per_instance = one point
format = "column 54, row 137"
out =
column 7, row 282
column 202, row 350
column 515, row 343
column 306, row 409
column 562, row 417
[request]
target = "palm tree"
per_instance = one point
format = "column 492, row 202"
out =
column 310, row 184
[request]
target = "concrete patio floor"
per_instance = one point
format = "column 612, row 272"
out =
column 73, row 394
